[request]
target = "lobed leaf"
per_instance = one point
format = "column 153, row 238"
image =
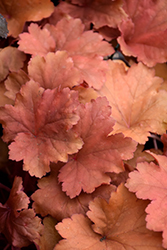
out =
column 100, row 153
column 119, row 224
column 40, row 123
column 18, row 12
column 135, row 100
column 149, row 182
column 19, row 224
column 143, row 33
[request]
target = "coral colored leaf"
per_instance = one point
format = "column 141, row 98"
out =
column 19, row 224
column 35, row 43
column 18, row 12
column 14, row 82
column 143, row 33
column 11, row 59
column 118, row 224
column 69, row 34
column 100, row 13
column 100, row 153
column 90, row 71
column 149, row 182
column 50, row 194
column 53, row 70
column 135, row 100
column 40, row 124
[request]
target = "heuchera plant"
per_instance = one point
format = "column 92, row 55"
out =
column 83, row 109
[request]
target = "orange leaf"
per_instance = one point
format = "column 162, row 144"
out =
column 11, row 59
column 18, row 12
column 118, row 224
column 135, row 101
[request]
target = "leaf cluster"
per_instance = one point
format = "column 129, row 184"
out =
column 83, row 90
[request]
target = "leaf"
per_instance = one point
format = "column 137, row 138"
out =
column 100, row 13
column 67, row 35
column 100, row 153
column 143, row 33
column 149, row 182
column 34, row 41
column 118, row 225
column 50, row 199
column 17, row 200
column 50, row 236
column 40, row 124
column 4, row 99
column 135, row 101
column 85, row 93
column 11, row 59
column 62, row 74
column 17, row 13
column 14, row 82
column 19, row 224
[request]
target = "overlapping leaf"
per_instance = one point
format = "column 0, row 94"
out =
column 135, row 100
column 50, row 199
column 149, row 182
column 100, row 13
column 118, row 224
column 19, row 224
column 100, row 153
column 49, row 236
column 40, row 124
column 34, row 41
column 18, row 12
column 67, row 35
column 11, row 59
column 53, row 70
column 143, row 33
column 14, row 82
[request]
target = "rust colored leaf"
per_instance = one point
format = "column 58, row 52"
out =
column 53, row 70
column 50, row 199
column 40, row 123
column 100, row 153
column 100, row 13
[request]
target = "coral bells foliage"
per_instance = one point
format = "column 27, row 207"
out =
column 76, row 124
